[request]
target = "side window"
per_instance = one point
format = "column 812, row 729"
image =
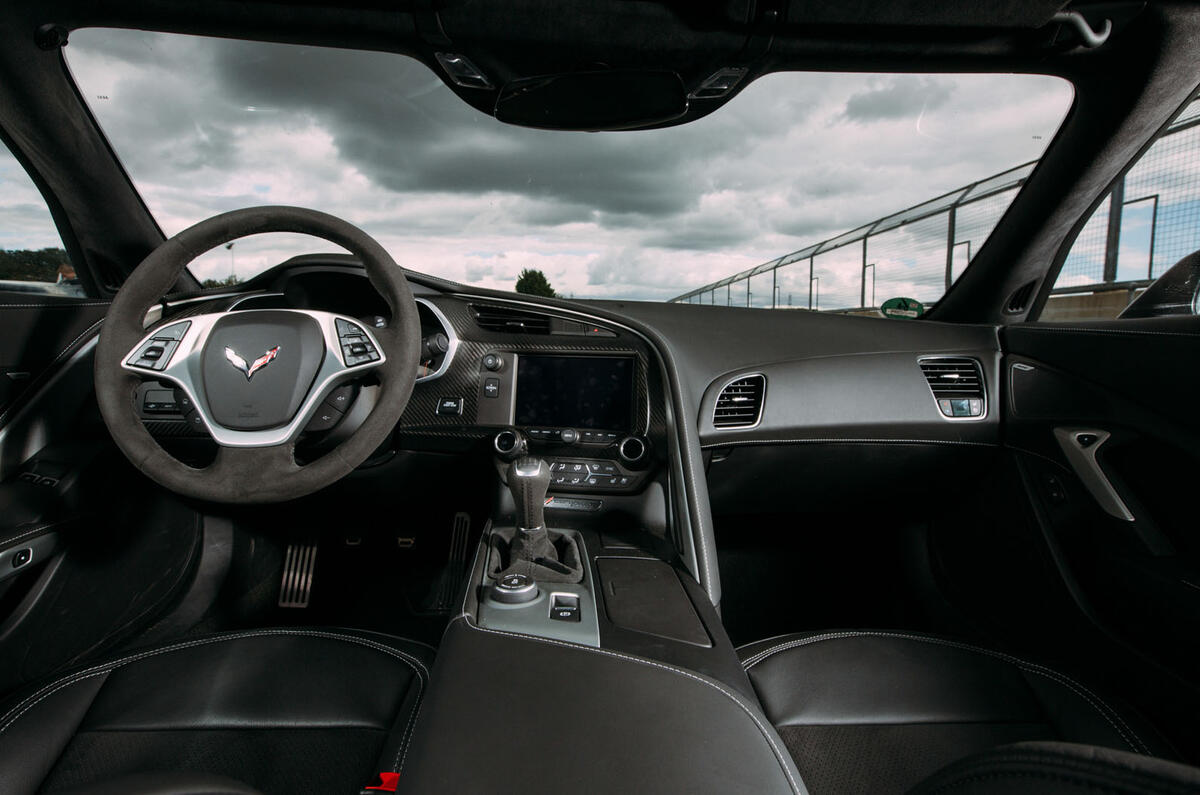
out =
column 1149, row 222
column 32, row 257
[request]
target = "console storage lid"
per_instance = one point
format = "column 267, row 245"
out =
column 514, row 713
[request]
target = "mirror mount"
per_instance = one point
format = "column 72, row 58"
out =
column 618, row 99
column 1176, row 292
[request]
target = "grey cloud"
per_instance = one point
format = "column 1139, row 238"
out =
column 897, row 97
column 431, row 141
column 788, row 163
column 711, row 229
column 543, row 213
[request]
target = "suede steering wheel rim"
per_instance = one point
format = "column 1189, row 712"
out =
column 268, row 472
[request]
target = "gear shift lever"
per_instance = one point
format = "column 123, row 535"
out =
column 528, row 480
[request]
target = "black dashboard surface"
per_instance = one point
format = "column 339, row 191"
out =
column 829, row 377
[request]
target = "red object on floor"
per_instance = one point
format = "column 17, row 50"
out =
column 387, row 783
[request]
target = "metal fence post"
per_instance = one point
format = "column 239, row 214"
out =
column 862, row 299
column 810, row 281
column 951, row 233
column 1112, row 241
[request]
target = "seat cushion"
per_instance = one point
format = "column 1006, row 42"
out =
column 1061, row 769
column 880, row 711
column 280, row 710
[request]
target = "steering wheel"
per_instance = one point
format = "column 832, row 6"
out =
column 254, row 378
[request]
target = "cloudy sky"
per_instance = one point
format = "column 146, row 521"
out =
column 205, row 125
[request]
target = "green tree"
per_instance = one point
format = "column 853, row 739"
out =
column 33, row 265
column 228, row 281
column 534, row 282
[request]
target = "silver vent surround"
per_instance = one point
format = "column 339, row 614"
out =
column 750, row 386
column 453, row 337
column 952, row 388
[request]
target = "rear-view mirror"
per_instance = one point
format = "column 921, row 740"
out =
column 593, row 101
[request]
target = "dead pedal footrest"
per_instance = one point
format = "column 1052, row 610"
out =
column 449, row 583
column 299, row 562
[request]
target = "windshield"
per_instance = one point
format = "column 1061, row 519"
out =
column 208, row 125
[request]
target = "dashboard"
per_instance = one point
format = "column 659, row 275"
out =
column 831, row 394
column 580, row 393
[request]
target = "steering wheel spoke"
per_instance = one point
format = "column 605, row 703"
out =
column 238, row 401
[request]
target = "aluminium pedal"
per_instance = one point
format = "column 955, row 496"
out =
column 299, row 562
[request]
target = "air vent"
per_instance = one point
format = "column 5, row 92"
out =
column 740, row 403
column 511, row 321
column 957, row 386
column 1020, row 297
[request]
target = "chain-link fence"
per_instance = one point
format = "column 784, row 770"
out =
column 919, row 252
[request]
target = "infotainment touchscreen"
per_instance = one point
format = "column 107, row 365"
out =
column 575, row 392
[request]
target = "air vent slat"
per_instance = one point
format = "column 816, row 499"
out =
column 740, row 403
column 510, row 321
column 957, row 386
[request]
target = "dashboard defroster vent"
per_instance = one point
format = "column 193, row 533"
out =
column 957, row 386
column 510, row 321
column 740, row 403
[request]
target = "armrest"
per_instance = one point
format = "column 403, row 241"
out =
column 513, row 712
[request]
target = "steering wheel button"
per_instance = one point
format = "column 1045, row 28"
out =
column 173, row 332
column 341, row 398
column 325, row 418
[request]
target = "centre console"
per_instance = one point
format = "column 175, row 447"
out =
column 623, row 678
column 585, row 656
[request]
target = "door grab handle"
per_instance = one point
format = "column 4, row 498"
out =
column 1080, row 446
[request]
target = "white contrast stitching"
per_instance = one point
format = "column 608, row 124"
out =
column 71, row 344
column 52, row 363
column 398, row 765
column 55, row 305
column 780, row 757
column 33, row 700
column 1119, row 332
column 1108, row 713
column 834, row 440
column 6, row 541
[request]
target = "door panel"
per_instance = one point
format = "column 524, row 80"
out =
column 1113, row 405
column 37, row 334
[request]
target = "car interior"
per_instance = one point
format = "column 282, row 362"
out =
column 348, row 527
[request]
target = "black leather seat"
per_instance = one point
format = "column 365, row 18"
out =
column 285, row 710
column 880, row 711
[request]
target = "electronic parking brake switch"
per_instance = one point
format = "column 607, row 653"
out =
column 564, row 607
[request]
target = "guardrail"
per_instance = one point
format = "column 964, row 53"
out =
column 1149, row 221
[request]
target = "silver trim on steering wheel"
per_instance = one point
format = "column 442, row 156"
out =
column 184, row 368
